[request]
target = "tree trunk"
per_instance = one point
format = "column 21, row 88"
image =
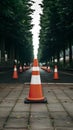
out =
column 70, row 54
column 2, row 48
column 58, row 56
column 64, row 58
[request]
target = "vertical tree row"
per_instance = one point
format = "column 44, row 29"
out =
column 56, row 30
column 15, row 29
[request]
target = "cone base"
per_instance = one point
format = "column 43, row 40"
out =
column 35, row 101
column 56, row 78
column 15, row 77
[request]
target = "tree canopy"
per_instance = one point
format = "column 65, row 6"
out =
column 56, row 29
column 15, row 26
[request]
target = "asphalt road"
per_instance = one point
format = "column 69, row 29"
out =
column 25, row 77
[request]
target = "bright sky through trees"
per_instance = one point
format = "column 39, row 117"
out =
column 36, row 27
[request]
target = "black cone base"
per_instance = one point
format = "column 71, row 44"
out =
column 35, row 101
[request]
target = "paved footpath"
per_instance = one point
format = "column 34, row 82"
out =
column 57, row 114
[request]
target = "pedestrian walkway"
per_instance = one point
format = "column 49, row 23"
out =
column 57, row 114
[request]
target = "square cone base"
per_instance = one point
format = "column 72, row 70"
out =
column 35, row 101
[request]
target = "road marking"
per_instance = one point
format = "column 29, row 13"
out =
column 62, row 83
column 66, row 73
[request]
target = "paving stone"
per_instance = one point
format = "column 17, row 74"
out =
column 40, row 123
column 21, row 100
column 4, row 111
column 39, row 114
column 51, row 100
column 6, row 104
column 61, row 95
column 16, row 123
column 63, row 123
column 4, row 114
column 69, row 91
column 9, row 100
column 21, row 107
column 61, row 119
column 19, row 114
column 55, row 107
column 59, row 115
column 38, row 107
column 2, row 120
column 69, row 106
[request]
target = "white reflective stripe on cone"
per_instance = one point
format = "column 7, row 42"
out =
column 35, row 79
column 15, row 69
column 55, row 70
column 35, row 68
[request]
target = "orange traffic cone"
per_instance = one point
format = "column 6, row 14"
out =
column 35, row 92
column 15, row 74
column 24, row 68
column 20, row 69
column 56, row 73
column 48, row 69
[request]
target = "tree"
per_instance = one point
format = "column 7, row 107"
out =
column 15, row 26
column 56, row 29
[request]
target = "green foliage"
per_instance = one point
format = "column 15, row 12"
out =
column 15, row 25
column 56, row 28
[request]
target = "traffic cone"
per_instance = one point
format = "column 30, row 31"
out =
column 48, row 69
column 20, row 69
column 15, row 73
column 24, row 68
column 35, row 92
column 56, row 76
